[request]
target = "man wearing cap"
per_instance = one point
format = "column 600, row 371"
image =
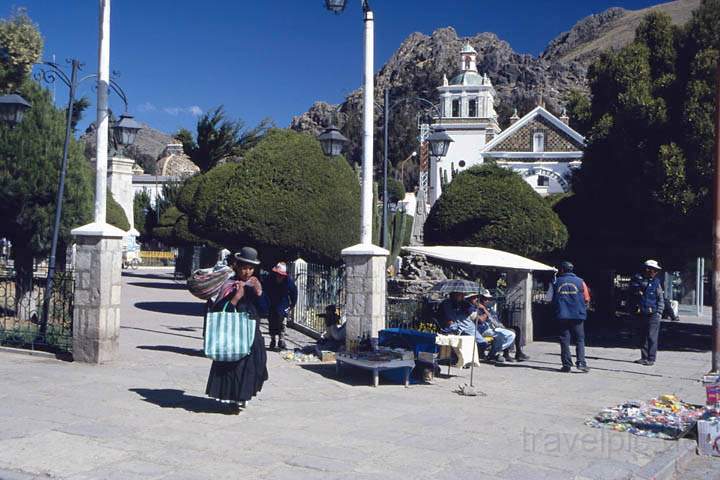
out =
column 648, row 306
column 455, row 317
column 281, row 294
column 570, row 297
column 490, row 326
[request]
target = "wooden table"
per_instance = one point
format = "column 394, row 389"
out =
column 375, row 365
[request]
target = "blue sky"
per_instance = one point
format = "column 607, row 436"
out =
column 268, row 58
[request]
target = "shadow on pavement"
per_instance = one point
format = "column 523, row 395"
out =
column 174, row 308
column 624, row 333
column 193, row 352
column 171, row 398
column 162, row 285
column 161, row 332
column 183, row 329
column 354, row 377
column 160, row 276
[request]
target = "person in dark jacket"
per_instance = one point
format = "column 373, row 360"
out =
column 570, row 297
column 237, row 382
column 281, row 295
column 648, row 305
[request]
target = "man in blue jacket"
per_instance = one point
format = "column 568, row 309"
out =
column 570, row 297
column 281, row 295
column 649, row 303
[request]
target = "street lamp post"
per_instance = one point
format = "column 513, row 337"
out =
column 124, row 132
column 387, row 108
column 337, row 6
column 716, row 234
column 12, row 108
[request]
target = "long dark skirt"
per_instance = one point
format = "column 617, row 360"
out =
column 241, row 380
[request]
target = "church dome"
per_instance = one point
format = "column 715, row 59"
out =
column 468, row 77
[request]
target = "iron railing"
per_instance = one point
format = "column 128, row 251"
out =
column 319, row 287
column 21, row 313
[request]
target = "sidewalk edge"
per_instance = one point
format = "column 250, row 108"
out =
column 665, row 465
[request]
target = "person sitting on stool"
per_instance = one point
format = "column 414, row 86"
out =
column 490, row 326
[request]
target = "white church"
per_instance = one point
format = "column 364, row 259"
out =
column 539, row 146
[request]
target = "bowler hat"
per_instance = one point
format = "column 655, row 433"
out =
column 247, row 255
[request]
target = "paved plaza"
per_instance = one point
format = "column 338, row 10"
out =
column 145, row 416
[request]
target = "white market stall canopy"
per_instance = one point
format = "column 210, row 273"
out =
column 481, row 257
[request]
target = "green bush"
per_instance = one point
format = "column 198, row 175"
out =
column 491, row 206
column 396, row 190
column 115, row 215
column 285, row 198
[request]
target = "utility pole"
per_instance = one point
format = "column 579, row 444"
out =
column 716, row 233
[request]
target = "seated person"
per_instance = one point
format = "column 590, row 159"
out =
column 455, row 318
column 489, row 326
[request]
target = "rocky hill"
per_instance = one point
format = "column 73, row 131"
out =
column 611, row 29
column 149, row 144
column 417, row 68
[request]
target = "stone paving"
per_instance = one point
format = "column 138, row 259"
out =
column 145, row 416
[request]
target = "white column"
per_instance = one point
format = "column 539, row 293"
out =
column 103, row 80
column 96, row 318
column 368, row 114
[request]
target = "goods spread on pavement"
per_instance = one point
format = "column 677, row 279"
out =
column 664, row 417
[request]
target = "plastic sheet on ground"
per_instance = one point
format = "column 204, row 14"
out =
column 664, row 417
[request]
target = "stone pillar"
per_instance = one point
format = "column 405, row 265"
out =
column 519, row 292
column 120, row 184
column 298, row 272
column 365, row 288
column 96, row 318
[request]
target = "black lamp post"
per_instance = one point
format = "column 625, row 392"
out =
column 439, row 143
column 121, row 133
column 332, row 141
column 12, row 108
column 335, row 6
column 125, row 130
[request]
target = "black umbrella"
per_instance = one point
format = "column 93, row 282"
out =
column 455, row 285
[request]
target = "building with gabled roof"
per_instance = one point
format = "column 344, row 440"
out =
column 541, row 147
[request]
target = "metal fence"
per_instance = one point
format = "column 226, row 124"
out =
column 22, row 319
column 151, row 258
column 319, row 286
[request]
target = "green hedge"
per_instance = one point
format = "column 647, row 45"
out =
column 285, row 198
column 491, row 206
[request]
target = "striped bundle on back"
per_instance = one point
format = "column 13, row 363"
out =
column 206, row 282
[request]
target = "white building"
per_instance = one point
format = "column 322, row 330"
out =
column 539, row 146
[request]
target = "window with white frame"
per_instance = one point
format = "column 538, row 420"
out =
column 538, row 142
column 456, row 108
column 472, row 108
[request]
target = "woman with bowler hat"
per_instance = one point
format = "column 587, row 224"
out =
column 237, row 382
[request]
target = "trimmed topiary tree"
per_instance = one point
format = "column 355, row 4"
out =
column 285, row 198
column 491, row 206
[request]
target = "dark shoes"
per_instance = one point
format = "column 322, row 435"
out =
column 507, row 357
column 495, row 359
column 642, row 361
column 521, row 357
column 565, row 369
column 583, row 368
column 272, row 344
column 281, row 344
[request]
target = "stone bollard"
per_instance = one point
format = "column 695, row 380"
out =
column 365, row 287
column 96, row 318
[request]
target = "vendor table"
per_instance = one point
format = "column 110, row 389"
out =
column 462, row 345
column 375, row 366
